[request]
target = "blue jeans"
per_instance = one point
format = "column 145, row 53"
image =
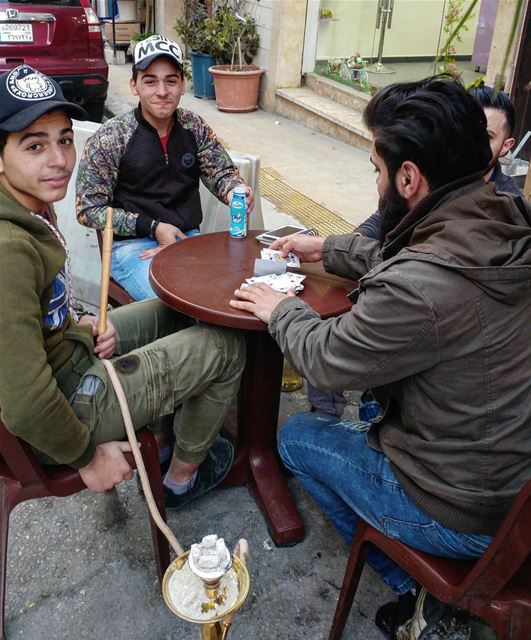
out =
column 350, row 479
column 130, row 271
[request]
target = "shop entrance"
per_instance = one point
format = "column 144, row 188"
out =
column 368, row 44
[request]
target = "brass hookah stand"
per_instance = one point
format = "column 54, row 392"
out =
column 205, row 585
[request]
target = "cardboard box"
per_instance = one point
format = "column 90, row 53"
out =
column 124, row 30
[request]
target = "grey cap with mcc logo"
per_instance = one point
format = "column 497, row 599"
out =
column 148, row 50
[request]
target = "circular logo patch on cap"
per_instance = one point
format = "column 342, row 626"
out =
column 26, row 83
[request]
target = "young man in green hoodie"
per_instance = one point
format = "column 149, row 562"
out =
column 54, row 389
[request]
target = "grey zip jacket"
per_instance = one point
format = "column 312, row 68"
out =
column 441, row 331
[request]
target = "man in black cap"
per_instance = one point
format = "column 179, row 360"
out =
column 54, row 390
column 147, row 164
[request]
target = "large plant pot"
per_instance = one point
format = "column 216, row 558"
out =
column 201, row 78
column 236, row 91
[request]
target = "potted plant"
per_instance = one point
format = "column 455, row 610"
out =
column 138, row 37
column 199, row 34
column 237, row 81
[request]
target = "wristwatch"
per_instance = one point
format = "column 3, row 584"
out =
column 153, row 228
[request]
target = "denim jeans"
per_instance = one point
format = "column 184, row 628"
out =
column 130, row 271
column 164, row 361
column 350, row 479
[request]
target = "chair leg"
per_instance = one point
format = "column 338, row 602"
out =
column 4, row 527
column 355, row 563
column 160, row 543
column 517, row 625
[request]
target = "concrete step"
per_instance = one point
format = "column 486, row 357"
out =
column 324, row 115
column 340, row 93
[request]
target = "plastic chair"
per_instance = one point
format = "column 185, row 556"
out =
column 118, row 296
column 497, row 587
column 22, row 478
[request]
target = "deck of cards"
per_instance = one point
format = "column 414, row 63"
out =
column 290, row 260
column 281, row 283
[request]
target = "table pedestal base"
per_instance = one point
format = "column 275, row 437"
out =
column 255, row 464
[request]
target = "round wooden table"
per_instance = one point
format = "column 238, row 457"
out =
column 198, row 277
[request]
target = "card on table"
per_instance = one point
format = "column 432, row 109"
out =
column 282, row 283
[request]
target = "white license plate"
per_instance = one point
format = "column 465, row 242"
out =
column 16, row 32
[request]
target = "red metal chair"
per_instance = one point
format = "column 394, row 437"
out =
column 497, row 587
column 22, row 478
column 118, row 296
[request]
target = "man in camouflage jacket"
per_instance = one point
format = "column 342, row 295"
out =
column 146, row 165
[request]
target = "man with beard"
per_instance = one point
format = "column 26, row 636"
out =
column 499, row 112
column 439, row 329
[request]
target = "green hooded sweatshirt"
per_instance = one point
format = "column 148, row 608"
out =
column 41, row 363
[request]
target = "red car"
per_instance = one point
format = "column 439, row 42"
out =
column 61, row 38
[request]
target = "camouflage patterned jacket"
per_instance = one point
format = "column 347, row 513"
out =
column 124, row 166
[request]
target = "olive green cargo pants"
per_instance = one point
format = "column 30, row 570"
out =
column 165, row 360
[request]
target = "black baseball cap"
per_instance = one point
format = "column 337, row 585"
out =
column 26, row 94
column 148, row 50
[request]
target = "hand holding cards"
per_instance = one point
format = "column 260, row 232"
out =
column 290, row 260
column 281, row 283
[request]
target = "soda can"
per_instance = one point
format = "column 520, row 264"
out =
column 238, row 214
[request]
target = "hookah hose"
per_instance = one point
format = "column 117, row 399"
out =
column 242, row 548
column 106, row 252
column 138, row 459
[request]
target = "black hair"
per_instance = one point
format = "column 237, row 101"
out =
column 434, row 123
column 3, row 140
column 488, row 97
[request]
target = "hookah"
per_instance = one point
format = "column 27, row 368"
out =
column 205, row 585
column 384, row 16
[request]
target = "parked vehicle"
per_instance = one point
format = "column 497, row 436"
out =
column 61, row 38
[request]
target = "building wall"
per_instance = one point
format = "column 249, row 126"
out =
column 502, row 29
column 167, row 12
column 281, row 26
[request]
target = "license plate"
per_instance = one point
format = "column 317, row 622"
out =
column 16, row 32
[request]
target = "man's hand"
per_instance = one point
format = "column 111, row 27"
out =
column 165, row 234
column 107, row 468
column 106, row 343
column 260, row 299
column 249, row 198
column 308, row 248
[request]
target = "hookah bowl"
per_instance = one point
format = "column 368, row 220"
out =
column 208, row 599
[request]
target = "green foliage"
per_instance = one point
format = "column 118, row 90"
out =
column 226, row 35
column 455, row 22
column 138, row 37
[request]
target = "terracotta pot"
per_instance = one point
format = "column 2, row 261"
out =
column 236, row 90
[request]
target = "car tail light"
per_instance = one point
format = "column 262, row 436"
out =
column 95, row 38
column 93, row 23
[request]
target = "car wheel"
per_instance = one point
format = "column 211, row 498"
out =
column 95, row 109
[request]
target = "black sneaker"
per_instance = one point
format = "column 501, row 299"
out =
column 392, row 615
column 428, row 612
column 210, row 473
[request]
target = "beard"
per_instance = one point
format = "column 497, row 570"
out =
column 393, row 207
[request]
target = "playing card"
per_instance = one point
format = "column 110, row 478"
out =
column 282, row 283
column 291, row 259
